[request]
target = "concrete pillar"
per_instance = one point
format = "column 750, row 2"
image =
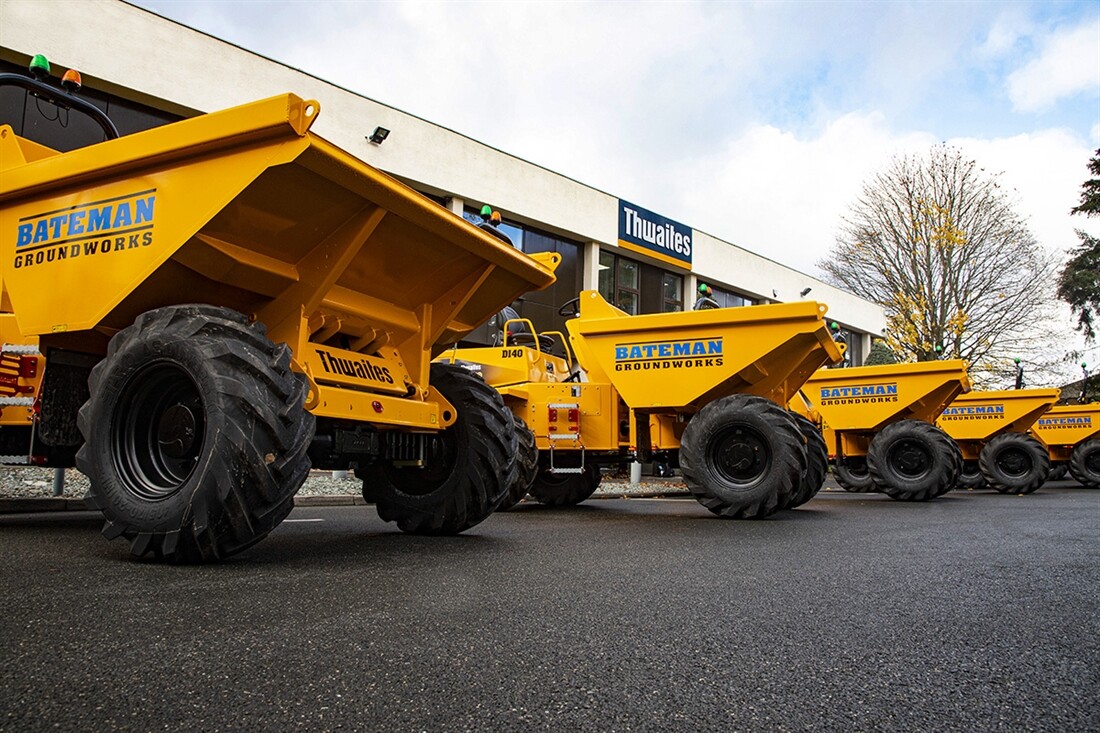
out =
column 590, row 271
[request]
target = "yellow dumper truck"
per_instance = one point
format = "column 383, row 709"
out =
column 703, row 389
column 1071, row 434
column 991, row 429
column 247, row 300
column 878, row 424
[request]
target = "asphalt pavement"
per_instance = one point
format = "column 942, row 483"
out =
column 975, row 612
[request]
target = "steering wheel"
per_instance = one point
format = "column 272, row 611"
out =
column 570, row 308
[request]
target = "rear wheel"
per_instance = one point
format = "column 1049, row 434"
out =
column 852, row 475
column 526, row 465
column 817, row 462
column 971, row 476
column 1015, row 463
column 913, row 460
column 468, row 465
column 1058, row 471
column 565, row 489
column 742, row 456
column 1084, row 464
column 195, row 434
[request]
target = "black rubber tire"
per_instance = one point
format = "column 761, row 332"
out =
column 913, row 460
column 957, row 455
column 1015, row 463
column 817, row 462
column 971, row 478
column 1084, row 463
column 565, row 489
column 742, row 456
column 196, row 434
column 852, row 475
column 1058, row 471
column 469, row 467
column 526, row 466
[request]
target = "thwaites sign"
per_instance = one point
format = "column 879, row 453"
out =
column 643, row 231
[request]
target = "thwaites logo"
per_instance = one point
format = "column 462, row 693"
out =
column 643, row 228
column 860, row 394
column 358, row 368
column 974, row 412
column 681, row 354
column 1063, row 423
column 103, row 227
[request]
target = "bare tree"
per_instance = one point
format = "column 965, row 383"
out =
column 935, row 240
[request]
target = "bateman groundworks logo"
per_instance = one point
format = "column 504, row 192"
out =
column 860, row 394
column 1056, row 423
column 680, row 354
column 974, row 412
column 101, row 227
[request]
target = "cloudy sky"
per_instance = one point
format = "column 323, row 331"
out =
column 755, row 122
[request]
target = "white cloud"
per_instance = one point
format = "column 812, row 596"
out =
column 1067, row 65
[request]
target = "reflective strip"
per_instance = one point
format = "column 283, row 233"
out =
column 16, row 401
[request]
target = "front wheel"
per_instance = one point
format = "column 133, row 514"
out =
column 817, row 462
column 467, row 469
column 742, row 456
column 1084, row 463
column 852, row 475
column 1015, row 463
column 195, row 434
column 913, row 460
column 565, row 489
column 971, row 476
column 526, row 465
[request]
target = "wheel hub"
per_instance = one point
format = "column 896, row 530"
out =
column 741, row 455
column 910, row 458
column 176, row 431
column 1013, row 462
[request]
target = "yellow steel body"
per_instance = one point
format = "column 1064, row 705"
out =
column 650, row 373
column 364, row 278
column 853, row 404
column 972, row 419
column 12, row 382
column 1064, row 426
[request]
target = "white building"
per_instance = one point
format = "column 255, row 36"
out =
column 642, row 261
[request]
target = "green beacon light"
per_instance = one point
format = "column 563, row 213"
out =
column 486, row 211
column 1017, row 360
column 39, row 67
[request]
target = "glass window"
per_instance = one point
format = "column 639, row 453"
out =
column 672, row 292
column 607, row 276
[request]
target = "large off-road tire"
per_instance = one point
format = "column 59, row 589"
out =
column 913, row 460
column 195, row 434
column 1084, row 463
column 1015, row 463
column 468, row 468
column 852, row 475
column 1058, row 470
column 971, row 477
column 742, row 456
column 525, row 468
column 565, row 489
column 817, row 462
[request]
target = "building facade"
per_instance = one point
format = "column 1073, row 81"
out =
column 641, row 260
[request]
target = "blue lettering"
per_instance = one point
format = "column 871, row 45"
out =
column 123, row 218
column 24, row 236
column 76, row 223
column 99, row 219
column 144, row 209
